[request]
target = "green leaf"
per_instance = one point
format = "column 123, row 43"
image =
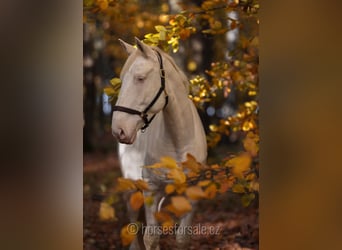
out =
column 246, row 199
column 160, row 28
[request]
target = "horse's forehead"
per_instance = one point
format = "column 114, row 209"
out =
column 138, row 65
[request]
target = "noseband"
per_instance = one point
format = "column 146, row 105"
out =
column 143, row 114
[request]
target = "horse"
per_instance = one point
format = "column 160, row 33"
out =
column 154, row 117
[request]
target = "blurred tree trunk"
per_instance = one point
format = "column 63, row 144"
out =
column 89, row 96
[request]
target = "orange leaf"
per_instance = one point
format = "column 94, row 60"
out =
column 170, row 188
column 204, row 183
column 211, row 190
column 226, row 185
column 177, row 175
column 125, row 184
column 141, row 184
column 162, row 216
column 181, row 204
column 127, row 234
column 168, row 227
column 180, row 189
column 191, row 163
column 195, row 193
column 136, row 200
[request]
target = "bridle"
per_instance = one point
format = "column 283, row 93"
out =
column 143, row 114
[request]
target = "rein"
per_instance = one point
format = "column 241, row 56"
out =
column 143, row 114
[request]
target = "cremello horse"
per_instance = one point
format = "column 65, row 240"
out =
column 154, row 117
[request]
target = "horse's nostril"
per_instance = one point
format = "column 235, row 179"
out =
column 121, row 133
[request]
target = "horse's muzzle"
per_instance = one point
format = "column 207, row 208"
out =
column 121, row 135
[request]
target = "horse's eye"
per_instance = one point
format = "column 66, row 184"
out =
column 140, row 78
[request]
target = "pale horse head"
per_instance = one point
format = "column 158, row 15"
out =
column 141, row 81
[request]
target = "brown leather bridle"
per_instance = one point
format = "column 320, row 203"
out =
column 143, row 114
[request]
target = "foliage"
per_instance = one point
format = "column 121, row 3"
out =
column 236, row 172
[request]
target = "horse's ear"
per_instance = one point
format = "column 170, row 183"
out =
column 145, row 49
column 129, row 48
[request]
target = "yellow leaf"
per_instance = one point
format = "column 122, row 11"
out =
column 115, row 81
column 210, row 191
column 141, row 184
column 165, row 162
column 250, row 144
column 177, row 175
column 254, row 186
column 204, row 183
column 170, row 188
column 238, row 188
column 103, row 4
column 239, row 164
column 168, row 162
column 160, row 28
column 250, row 177
column 127, row 234
column 125, row 184
column 136, row 200
column 149, row 200
column 181, row 204
column 106, row 212
column 213, row 128
column 109, row 91
column 246, row 199
column 195, row 193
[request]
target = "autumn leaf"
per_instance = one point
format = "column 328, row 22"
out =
column 115, row 81
column 227, row 184
column 204, row 183
column 136, row 200
column 238, row 188
column 246, row 199
column 141, row 184
column 149, row 200
column 181, row 205
column 180, row 189
column 191, row 164
column 125, row 184
column 165, row 162
column 250, row 144
column 177, row 175
column 170, row 188
column 211, row 191
column 162, row 216
column 239, row 164
column 127, row 235
column 168, row 162
column 109, row 91
column 195, row 193
column 106, row 212
column 168, row 226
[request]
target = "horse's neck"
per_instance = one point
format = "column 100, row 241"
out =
column 182, row 126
